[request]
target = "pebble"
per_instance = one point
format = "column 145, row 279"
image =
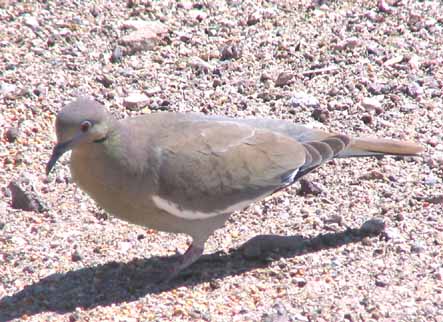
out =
column 253, row 18
column 127, row 72
column 432, row 142
column 334, row 219
column 381, row 282
column 375, row 88
column 117, row 55
column 384, row 7
column 95, row 11
column 414, row 62
column 437, row 157
column 438, row 275
column 374, row 17
column 19, row 242
column 214, row 284
column 320, row 115
column 394, row 234
column 373, row 226
column 373, row 175
column 152, row 91
column 299, row 318
column 32, row 22
column 394, row 60
column 184, row 36
column 230, row 51
column 418, row 247
column 374, row 48
column 278, row 313
column 265, row 76
column 372, row 103
column 216, row 83
column 40, row 90
column 304, row 99
column 366, row 241
column 136, row 101
column 300, row 281
column 24, row 199
column 349, row 43
column 200, row 65
column 408, row 108
column 6, row 89
column 367, row 119
column 12, row 134
column 309, row 188
column 284, row 78
column 76, row 256
column 414, row 90
column 349, row 317
column 436, row 199
column 431, row 180
column 104, row 80
column 146, row 36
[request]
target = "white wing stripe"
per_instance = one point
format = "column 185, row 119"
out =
column 175, row 210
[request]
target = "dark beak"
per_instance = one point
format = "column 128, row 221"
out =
column 57, row 152
column 61, row 148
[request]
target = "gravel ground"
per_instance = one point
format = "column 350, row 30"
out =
column 359, row 67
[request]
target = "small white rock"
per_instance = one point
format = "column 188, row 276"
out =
column 6, row 88
column 304, row 99
column 145, row 36
column 414, row 62
column 32, row 22
column 372, row 103
column 135, row 101
column 153, row 91
column 394, row 60
column 394, row 234
column 431, row 180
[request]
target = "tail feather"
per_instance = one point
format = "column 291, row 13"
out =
column 362, row 147
column 321, row 151
column 327, row 147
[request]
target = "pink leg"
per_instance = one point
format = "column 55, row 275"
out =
column 191, row 255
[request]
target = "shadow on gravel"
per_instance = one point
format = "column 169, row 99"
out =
column 117, row 282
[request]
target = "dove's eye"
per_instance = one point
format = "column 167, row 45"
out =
column 85, row 126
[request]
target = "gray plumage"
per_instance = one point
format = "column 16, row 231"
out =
column 186, row 173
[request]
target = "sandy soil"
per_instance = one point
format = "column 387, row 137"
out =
column 358, row 67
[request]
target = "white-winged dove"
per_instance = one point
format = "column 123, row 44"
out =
column 186, row 173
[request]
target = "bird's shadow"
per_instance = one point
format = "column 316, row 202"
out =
column 117, row 282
